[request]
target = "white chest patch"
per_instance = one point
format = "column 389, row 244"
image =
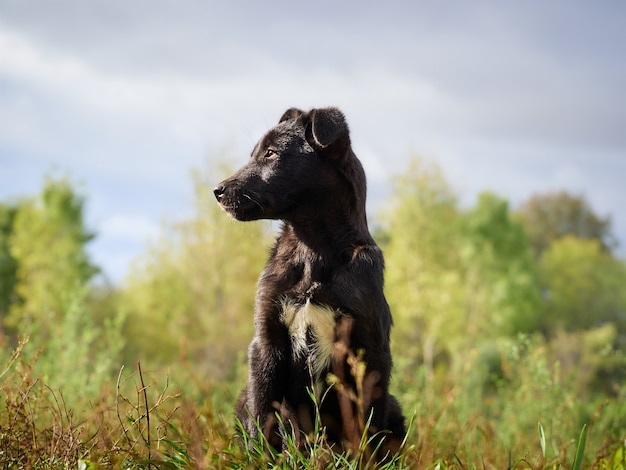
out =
column 312, row 331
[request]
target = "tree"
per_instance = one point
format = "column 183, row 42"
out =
column 423, row 281
column 455, row 278
column 8, row 265
column 548, row 217
column 47, row 242
column 583, row 284
column 500, row 271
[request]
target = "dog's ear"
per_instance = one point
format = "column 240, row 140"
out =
column 291, row 113
column 327, row 127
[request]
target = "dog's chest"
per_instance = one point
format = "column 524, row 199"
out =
column 312, row 331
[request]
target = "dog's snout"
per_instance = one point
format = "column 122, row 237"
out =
column 219, row 191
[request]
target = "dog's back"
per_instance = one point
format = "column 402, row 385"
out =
column 321, row 293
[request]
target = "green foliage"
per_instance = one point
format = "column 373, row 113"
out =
column 591, row 359
column 488, row 415
column 423, row 283
column 584, row 285
column 8, row 265
column 47, row 243
column 455, row 278
column 500, row 272
column 80, row 356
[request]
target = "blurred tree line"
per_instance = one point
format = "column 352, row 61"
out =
column 42, row 256
column 461, row 282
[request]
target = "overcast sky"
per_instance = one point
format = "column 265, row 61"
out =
column 129, row 96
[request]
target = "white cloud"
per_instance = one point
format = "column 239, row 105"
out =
column 71, row 79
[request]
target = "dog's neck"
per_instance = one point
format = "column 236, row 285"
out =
column 327, row 239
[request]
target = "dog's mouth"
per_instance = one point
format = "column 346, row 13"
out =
column 240, row 205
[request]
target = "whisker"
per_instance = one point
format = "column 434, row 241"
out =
column 248, row 196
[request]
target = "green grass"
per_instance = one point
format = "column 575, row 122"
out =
column 150, row 419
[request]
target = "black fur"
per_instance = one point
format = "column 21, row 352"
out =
column 304, row 172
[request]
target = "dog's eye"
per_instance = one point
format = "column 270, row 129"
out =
column 269, row 153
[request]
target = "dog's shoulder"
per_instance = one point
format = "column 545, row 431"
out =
column 361, row 280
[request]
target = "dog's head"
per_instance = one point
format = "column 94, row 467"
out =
column 301, row 165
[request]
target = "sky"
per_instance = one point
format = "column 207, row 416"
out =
column 128, row 97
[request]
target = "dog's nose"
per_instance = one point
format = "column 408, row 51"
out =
column 219, row 191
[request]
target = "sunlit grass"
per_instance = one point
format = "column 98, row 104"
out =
column 147, row 419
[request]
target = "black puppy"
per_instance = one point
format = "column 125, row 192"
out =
column 325, row 274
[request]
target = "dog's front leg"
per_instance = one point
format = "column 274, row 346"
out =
column 268, row 362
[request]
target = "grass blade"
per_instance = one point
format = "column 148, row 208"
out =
column 542, row 439
column 580, row 451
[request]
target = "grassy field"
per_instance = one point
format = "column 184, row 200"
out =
column 150, row 419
